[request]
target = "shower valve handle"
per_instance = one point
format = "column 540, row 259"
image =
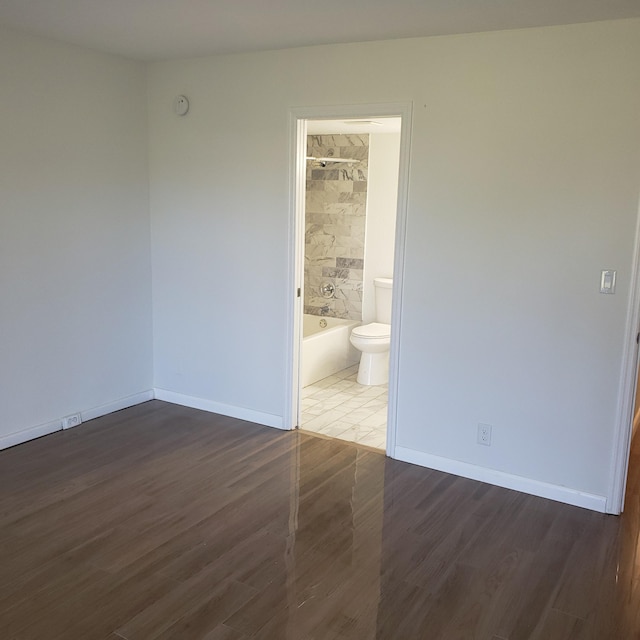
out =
column 327, row 290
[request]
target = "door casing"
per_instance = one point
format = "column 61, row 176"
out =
column 298, row 118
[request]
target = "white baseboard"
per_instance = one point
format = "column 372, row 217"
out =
column 117, row 405
column 38, row 431
column 267, row 419
column 32, row 433
column 502, row 479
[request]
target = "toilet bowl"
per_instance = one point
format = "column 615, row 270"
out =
column 374, row 339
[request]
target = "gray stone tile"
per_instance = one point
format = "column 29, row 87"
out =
column 314, row 185
column 359, row 152
column 349, row 241
column 350, row 263
column 319, row 258
column 332, row 272
column 342, row 251
column 339, row 208
column 335, row 224
column 347, row 173
column 338, row 230
column 348, row 293
column 350, row 196
column 315, row 199
column 351, row 140
column 342, row 187
column 322, row 239
column 325, row 174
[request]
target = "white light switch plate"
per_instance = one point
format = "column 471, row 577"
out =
column 608, row 281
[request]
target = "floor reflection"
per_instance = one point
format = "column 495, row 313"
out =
column 163, row 522
column 378, row 549
column 333, row 547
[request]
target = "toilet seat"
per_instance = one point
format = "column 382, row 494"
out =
column 372, row 330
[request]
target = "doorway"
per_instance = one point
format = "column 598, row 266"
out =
column 633, row 472
column 626, row 424
column 349, row 202
column 632, row 482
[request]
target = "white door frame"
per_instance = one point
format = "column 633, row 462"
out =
column 627, row 389
column 297, row 182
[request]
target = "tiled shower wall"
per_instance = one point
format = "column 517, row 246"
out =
column 336, row 202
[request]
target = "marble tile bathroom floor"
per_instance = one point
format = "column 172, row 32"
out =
column 339, row 407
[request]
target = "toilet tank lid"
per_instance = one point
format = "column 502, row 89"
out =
column 385, row 283
column 372, row 330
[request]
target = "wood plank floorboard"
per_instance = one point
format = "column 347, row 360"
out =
column 161, row 522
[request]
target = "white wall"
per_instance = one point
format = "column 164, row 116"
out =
column 75, row 318
column 382, row 201
column 524, row 181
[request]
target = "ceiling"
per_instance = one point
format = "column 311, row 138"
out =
column 165, row 29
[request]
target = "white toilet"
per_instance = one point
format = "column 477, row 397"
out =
column 374, row 339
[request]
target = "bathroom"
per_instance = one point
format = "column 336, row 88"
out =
column 350, row 218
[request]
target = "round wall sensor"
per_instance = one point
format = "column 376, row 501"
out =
column 181, row 105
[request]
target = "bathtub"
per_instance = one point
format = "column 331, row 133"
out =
column 325, row 350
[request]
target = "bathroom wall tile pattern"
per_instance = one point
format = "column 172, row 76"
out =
column 351, row 263
column 335, row 205
column 339, row 407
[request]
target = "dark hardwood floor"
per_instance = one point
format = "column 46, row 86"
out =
column 161, row 522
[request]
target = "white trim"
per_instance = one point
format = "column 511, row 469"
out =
column 32, row 433
column 298, row 116
column 398, row 273
column 117, row 405
column 502, row 479
column 295, row 268
column 242, row 413
column 45, row 429
column 619, row 463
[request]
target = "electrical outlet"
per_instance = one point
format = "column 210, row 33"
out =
column 484, row 434
column 71, row 421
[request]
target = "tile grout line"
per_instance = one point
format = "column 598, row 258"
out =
column 326, row 414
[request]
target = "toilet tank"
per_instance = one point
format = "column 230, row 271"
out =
column 383, row 287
